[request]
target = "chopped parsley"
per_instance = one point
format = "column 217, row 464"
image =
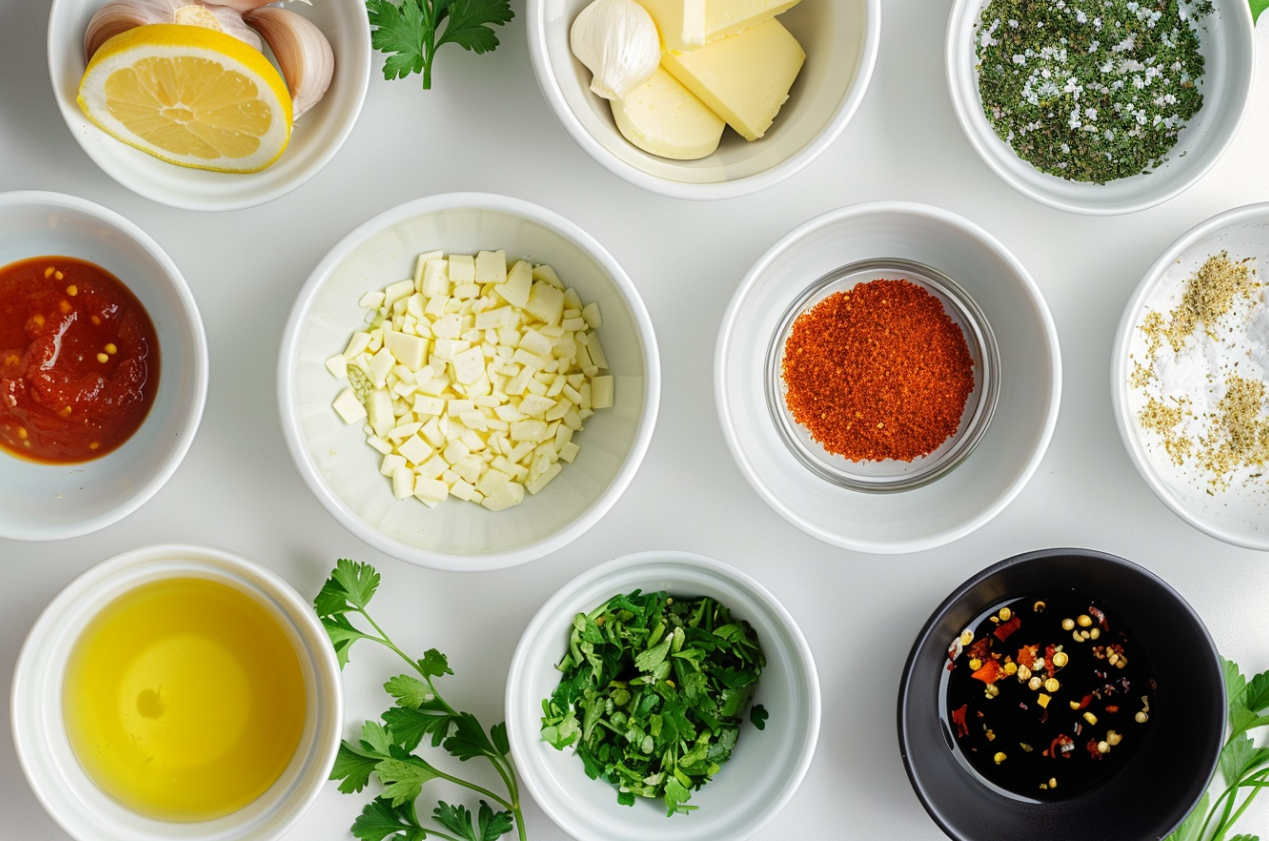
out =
column 1090, row 90
column 653, row 694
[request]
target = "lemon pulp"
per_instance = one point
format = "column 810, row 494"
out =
column 184, row 700
column 190, row 96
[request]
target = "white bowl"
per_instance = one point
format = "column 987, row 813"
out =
column 1227, row 45
column 41, row 501
column 39, row 731
column 766, row 767
column 841, row 39
column 315, row 139
column 343, row 470
column 1241, row 515
column 1030, row 377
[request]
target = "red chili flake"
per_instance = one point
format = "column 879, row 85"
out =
column 958, row 718
column 980, row 650
column 1063, row 745
column 1006, row 630
column 879, row 372
column 1085, row 701
column 990, row 672
column 1026, row 656
column 1091, row 747
column 1100, row 617
column 1049, row 651
column 1112, row 708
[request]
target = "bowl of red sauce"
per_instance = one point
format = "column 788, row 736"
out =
column 103, row 366
column 1061, row 694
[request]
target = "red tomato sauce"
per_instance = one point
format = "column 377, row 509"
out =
column 79, row 360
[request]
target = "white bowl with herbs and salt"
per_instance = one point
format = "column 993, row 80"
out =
column 1100, row 107
column 1190, row 377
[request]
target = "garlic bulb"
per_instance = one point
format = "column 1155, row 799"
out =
column 618, row 41
column 302, row 51
column 122, row 15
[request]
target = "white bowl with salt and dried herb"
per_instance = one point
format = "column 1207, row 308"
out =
column 1094, row 123
column 1188, row 377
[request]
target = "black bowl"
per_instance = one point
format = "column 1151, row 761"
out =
column 1154, row 791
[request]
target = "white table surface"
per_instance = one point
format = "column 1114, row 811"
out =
column 485, row 127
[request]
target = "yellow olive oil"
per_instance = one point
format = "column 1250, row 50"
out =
column 184, row 699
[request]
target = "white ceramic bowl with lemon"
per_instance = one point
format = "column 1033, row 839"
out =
column 840, row 39
column 253, row 138
column 344, row 470
column 202, row 664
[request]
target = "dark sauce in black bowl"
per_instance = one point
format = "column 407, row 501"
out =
column 1050, row 698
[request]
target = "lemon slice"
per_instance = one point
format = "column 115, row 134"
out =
column 189, row 95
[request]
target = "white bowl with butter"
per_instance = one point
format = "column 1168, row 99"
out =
column 840, row 39
column 343, row 470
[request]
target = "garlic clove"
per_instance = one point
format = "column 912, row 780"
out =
column 242, row 7
column 302, row 51
column 121, row 15
column 618, row 42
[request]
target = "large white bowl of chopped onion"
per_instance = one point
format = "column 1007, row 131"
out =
column 1225, row 38
column 466, row 468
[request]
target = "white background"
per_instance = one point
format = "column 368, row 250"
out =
column 485, row 126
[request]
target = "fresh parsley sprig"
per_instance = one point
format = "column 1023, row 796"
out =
column 1244, row 767
column 386, row 750
column 412, row 32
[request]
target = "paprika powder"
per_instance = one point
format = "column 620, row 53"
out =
column 878, row 372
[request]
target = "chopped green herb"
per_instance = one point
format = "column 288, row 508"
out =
column 412, row 32
column 1244, row 767
column 1090, row 90
column 386, row 750
column 653, row 693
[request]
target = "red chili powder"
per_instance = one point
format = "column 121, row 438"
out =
column 879, row 372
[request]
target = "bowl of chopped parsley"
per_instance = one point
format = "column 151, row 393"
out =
column 662, row 695
column 1100, row 106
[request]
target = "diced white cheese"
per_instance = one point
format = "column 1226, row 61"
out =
column 338, row 366
column 425, row 405
column 518, row 283
column 462, row 268
column 433, row 467
column 528, row 430
column 415, row 449
column 396, row 291
column 545, row 273
column 491, row 267
column 390, row 463
column 590, row 312
column 435, row 278
column 469, row 366
column 533, row 406
column 379, row 411
column 545, row 302
column 431, row 492
column 359, row 343
column 409, row 350
column 569, row 452
column 535, row 485
column 348, row 407
column 403, row 482
column 371, row 300
column 601, row 393
column 507, row 495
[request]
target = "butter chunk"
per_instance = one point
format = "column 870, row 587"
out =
column 727, row 17
column 664, row 118
column 743, row 78
column 681, row 23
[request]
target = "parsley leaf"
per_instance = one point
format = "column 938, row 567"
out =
column 411, row 33
column 457, row 819
column 352, row 769
column 385, row 750
column 380, row 819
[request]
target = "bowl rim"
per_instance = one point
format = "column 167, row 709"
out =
column 968, row 116
column 549, row 612
column 927, row 628
column 726, row 337
column 198, row 336
column 535, row 15
column 1119, row 364
column 488, row 561
column 56, row 46
column 262, row 579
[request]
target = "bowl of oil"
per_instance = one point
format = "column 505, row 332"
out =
column 176, row 691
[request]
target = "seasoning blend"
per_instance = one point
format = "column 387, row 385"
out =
column 1197, row 387
column 1047, row 696
column 878, row 372
column 1091, row 90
